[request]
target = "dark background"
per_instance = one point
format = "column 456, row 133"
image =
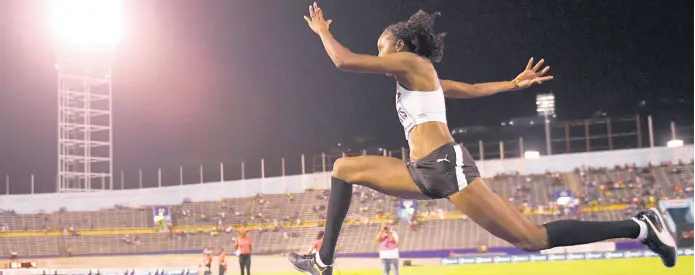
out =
column 203, row 82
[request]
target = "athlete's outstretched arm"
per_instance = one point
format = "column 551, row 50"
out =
column 455, row 89
column 344, row 59
column 530, row 76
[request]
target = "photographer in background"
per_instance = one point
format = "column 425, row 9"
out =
column 388, row 249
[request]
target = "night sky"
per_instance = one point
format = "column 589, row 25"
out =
column 200, row 82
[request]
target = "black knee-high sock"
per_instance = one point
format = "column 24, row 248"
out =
column 338, row 206
column 574, row 232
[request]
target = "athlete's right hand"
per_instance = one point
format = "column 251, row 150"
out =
column 316, row 21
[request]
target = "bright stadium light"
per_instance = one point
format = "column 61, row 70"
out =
column 532, row 154
column 674, row 143
column 87, row 22
column 545, row 104
column 86, row 36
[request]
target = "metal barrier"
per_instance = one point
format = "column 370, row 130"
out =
column 507, row 141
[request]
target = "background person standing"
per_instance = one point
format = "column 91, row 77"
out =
column 222, row 259
column 316, row 246
column 243, row 247
column 207, row 261
column 388, row 249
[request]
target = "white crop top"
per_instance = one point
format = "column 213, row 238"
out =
column 416, row 107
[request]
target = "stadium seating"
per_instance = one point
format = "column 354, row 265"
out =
column 116, row 218
column 30, row 245
column 24, row 221
column 626, row 184
column 436, row 229
column 434, row 234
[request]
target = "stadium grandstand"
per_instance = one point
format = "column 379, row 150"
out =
column 284, row 221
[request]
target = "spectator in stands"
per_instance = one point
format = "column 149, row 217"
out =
column 276, row 225
column 413, row 223
column 388, row 249
column 243, row 249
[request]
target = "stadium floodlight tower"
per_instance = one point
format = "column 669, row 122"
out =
column 86, row 33
column 545, row 106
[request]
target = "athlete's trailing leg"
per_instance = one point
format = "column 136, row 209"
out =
column 501, row 219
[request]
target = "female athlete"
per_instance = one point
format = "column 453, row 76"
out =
column 440, row 168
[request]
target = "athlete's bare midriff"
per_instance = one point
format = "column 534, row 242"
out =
column 427, row 137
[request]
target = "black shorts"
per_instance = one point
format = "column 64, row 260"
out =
column 444, row 172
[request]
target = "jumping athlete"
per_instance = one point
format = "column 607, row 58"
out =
column 438, row 167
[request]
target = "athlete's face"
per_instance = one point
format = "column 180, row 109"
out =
column 385, row 44
column 388, row 45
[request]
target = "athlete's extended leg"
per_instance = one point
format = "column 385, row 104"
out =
column 501, row 219
column 386, row 175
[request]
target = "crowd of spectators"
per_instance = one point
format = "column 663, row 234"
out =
column 635, row 187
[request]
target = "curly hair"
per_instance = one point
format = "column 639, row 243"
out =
column 419, row 36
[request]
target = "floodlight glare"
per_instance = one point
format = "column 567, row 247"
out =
column 674, row 143
column 87, row 22
column 86, row 36
column 532, row 154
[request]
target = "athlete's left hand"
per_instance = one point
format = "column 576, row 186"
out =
column 531, row 75
column 315, row 19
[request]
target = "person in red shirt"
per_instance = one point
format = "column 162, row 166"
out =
column 207, row 262
column 243, row 247
column 222, row 259
column 317, row 244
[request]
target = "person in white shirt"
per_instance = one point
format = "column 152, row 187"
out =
column 388, row 249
